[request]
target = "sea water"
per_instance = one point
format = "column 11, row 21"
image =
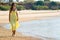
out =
column 46, row 28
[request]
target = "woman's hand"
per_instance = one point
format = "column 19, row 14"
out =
column 17, row 18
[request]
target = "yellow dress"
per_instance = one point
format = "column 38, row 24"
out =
column 13, row 20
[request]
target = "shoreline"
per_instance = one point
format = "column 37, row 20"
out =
column 19, row 36
column 23, row 17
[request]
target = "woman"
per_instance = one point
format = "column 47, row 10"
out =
column 13, row 18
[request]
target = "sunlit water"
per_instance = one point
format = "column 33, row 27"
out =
column 45, row 28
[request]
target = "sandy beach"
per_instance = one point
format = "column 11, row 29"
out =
column 6, row 35
column 24, row 15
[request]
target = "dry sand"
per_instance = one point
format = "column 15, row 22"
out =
column 25, row 15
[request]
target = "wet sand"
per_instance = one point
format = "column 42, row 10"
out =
column 6, row 35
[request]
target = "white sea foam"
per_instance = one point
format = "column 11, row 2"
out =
column 48, row 28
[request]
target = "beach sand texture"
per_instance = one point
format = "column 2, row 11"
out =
column 25, row 15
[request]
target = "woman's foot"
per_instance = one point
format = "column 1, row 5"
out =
column 13, row 35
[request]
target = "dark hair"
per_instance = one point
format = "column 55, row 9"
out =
column 11, row 7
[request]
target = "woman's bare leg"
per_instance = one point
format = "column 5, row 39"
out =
column 13, row 32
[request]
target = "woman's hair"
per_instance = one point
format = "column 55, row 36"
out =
column 11, row 7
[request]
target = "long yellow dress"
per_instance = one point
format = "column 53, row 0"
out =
column 13, row 20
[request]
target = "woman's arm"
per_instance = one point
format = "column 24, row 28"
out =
column 9, row 16
column 17, row 16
